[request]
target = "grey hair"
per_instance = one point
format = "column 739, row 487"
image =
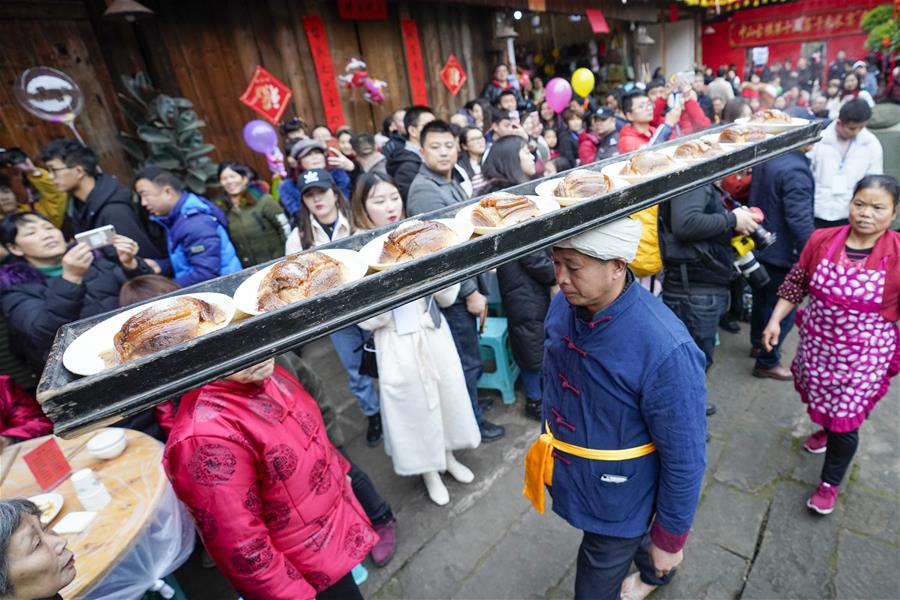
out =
column 11, row 512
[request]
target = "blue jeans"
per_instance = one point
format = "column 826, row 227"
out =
column 603, row 563
column 764, row 301
column 347, row 343
column 532, row 382
column 464, row 328
column 700, row 312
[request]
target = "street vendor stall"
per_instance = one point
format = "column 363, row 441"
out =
column 78, row 404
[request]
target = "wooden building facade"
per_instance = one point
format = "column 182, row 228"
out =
column 207, row 52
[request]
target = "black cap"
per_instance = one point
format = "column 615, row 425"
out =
column 315, row 178
column 604, row 113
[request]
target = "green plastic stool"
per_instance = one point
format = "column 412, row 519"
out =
column 494, row 345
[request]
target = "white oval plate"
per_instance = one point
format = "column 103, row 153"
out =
column 246, row 297
column 371, row 252
column 544, row 205
column 83, row 356
column 773, row 127
column 49, row 504
column 614, row 171
column 545, row 189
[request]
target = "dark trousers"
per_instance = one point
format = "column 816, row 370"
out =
column 343, row 589
column 603, row 563
column 823, row 224
column 764, row 301
column 839, row 455
column 376, row 507
column 464, row 328
column 700, row 312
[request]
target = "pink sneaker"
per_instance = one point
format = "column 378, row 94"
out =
column 824, row 499
column 383, row 551
column 817, row 443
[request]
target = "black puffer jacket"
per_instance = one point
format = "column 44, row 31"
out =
column 35, row 306
column 525, row 288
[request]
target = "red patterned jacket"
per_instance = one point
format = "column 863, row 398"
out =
column 21, row 416
column 268, row 490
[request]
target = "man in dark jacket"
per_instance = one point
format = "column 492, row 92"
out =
column 784, row 189
column 695, row 231
column 434, row 188
column 196, row 230
column 601, row 140
column 99, row 199
column 403, row 165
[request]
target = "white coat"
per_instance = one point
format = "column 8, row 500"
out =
column 341, row 230
column 425, row 406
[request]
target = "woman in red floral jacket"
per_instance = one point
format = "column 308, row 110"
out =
column 270, row 495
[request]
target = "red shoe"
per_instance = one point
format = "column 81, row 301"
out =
column 817, row 443
column 383, row 551
column 824, row 499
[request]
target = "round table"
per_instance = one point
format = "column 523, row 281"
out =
column 137, row 483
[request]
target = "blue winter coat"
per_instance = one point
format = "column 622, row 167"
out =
column 630, row 376
column 784, row 189
column 198, row 242
column 289, row 193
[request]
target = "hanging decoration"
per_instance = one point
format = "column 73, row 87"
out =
column 597, row 20
column 50, row 95
column 415, row 65
column 325, row 73
column 452, row 75
column 362, row 10
column 267, row 95
column 356, row 76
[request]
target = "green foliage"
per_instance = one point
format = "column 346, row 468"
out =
column 881, row 25
column 876, row 16
column 166, row 133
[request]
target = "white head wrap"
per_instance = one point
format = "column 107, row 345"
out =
column 618, row 239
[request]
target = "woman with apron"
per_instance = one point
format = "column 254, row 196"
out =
column 849, row 336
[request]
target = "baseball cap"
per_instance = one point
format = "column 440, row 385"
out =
column 315, row 178
column 603, row 113
column 859, row 64
column 304, row 147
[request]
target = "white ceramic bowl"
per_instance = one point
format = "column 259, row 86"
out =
column 107, row 444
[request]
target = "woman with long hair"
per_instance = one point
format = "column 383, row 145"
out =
column 424, row 400
column 850, row 90
column 525, row 283
column 849, row 340
column 257, row 225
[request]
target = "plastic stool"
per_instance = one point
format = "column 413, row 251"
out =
column 494, row 345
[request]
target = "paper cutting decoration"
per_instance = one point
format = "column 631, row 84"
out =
column 267, row 95
column 453, row 75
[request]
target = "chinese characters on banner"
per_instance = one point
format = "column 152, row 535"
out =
column 362, row 10
column 267, row 95
column 453, row 75
column 414, row 60
column 318, row 47
column 801, row 28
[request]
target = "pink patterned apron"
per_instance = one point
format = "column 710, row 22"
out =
column 846, row 345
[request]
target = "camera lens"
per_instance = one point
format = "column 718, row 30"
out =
column 755, row 274
column 763, row 238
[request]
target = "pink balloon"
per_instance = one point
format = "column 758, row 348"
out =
column 557, row 93
column 260, row 136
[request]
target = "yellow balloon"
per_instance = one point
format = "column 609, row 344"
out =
column 583, row 82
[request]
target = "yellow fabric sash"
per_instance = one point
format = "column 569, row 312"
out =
column 539, row 462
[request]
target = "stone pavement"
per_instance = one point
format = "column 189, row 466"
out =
column 753, row 536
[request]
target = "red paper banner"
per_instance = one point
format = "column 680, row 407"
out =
column 362, row 10
column 800, row 28
column 318, row 47
column 453, row 75
column 47, row 464
column 416, row 68
column 267, row 95
column 597, row 20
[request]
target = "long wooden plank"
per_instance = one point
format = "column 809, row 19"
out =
column 78, row 405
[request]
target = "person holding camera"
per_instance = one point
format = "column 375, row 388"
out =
column 44, row 197
column 784, row 190
column 695, row 231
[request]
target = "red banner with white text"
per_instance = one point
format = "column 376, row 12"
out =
column 321, row 55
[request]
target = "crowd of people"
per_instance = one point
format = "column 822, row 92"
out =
column 258, row 456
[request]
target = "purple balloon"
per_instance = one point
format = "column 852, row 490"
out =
column 260, row 136
column 558, row 92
